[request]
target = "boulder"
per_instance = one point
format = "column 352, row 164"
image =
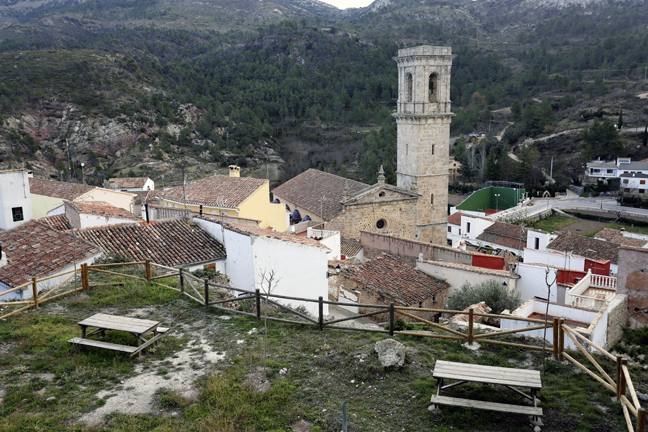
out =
column 391, row 353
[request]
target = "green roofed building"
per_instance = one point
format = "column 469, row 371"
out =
column 493, row 199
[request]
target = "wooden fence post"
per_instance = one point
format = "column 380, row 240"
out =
column 391, row 319
column 257, row 294
column 561, row 338
column 181, row 274
column 621, row 384
column 206, row 292
column 321, row 312
column 35, row 292
column 85, row 280
column 147, row 270
column 642, row 419
column 556, row 329
column 471, row 322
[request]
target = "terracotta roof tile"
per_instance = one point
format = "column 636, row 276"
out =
column 171, row 242
column 100, row 208
column 214, row 191
column 395, row 280
column 57, row 222
column 57, row 189
column 455, row 218
column 599, row 250
column 318, row 192
column 616, row 236
column 34, row 249
column 349, row 247
column 127, row 182
column 269, row 233
column 504, row 234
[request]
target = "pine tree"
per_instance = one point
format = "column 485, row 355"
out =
column 620, row 122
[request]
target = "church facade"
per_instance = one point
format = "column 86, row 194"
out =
column 417, row 207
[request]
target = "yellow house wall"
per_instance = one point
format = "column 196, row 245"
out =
column 123, row 200
column 258, row 206
column 41, row 204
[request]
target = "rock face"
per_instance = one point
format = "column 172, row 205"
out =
column 391, row 353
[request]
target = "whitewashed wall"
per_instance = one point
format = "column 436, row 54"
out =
column 477, row 226
column 554, row 259
column 543, row 239
column 457, row 276
column 532, row 282
column 14, row 192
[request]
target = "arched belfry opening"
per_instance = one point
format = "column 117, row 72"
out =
column 433, row 87
column 409, row 87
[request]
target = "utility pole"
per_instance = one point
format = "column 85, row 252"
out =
column 551, row 168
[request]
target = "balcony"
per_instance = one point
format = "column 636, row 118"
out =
column 593, row 292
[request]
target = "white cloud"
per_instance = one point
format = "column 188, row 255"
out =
column 344, row 4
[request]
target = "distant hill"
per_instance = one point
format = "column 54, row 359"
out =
column 149, row 86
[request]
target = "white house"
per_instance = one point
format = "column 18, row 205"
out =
column 131, row 184
column 539, row 240
column 93, row 214
column 36, row 250
column 297, row 264
column 331, row 239
column 15, row 199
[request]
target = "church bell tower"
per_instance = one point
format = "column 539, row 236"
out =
column 423, row 119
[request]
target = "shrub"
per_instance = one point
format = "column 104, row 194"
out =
column 496, row 296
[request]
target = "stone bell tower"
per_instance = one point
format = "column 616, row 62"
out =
column 423, row 119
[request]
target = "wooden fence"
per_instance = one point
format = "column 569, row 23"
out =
column 230, row 300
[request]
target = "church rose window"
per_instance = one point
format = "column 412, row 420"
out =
column 382, row 223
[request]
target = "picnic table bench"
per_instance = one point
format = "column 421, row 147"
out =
column 140, row 328
column 522, row 381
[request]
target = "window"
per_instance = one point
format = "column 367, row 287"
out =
column 449, row 229
column 449, row 242
column 381, row 194
column 467, row 227
column 409, row 87
column 431, row 198
column 537, row 243
column 432, row 88
column 610, row 171
column 642, row 181
column 625, row 181
column 432, row 148
column 382, row 223
column 642, row 190
column 17, row 213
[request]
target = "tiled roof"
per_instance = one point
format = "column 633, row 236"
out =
column 599, row 250
column 57, row 189
column 349, row 247
column 57, row 222
column 127, row 182
column 504, row 234
column 269, row 233
column 214, row 191
column 318, row 192
column 455, row 218
column 100, row 208
column 34, row 249
column 616, row 236
column 638, row 166
column 395, row 280
column 171, row 242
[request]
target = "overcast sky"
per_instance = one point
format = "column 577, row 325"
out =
column 343, row 4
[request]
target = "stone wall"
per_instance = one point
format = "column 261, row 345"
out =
column 376, row 243
column 617, row 319
column 398, row 219
column 632, row 280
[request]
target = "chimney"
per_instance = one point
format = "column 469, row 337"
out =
column 3, row 257
column 234, row 171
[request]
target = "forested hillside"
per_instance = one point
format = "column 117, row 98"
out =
column 149, row 87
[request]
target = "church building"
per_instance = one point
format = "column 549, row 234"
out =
column 416, row 208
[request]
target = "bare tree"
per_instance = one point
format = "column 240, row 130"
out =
column 268, row 281
column 549, row 284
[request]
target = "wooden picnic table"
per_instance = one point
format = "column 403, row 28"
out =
column 524, row 382
column 101, row 322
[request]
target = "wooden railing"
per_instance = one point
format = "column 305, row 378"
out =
column 228, row 299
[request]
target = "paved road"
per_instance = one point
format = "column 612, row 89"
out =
column 572, row 203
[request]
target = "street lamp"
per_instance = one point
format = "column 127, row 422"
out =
column 82, row 173
column 497, row 201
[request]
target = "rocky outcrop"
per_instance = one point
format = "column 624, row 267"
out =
column 391, row 353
